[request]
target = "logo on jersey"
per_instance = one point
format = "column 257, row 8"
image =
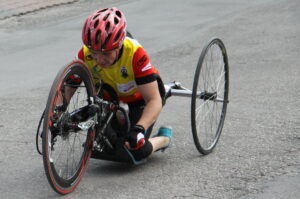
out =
column 147, row 67
column 96, row 69
column 142, row 61
column 124, row 72
column 126, row 88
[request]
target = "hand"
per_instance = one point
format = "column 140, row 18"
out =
column 135, row 138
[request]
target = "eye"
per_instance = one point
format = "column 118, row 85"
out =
column 105, row 53
column 94, row 54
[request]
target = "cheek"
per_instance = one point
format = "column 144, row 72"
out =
column 113, row 57
column 110, row 58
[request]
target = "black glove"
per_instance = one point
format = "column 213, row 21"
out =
column 136, row 137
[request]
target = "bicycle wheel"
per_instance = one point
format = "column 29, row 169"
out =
column 210, row 96
column 66, row 150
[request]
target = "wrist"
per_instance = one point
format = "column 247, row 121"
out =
column 136, row 137
column 138, row 128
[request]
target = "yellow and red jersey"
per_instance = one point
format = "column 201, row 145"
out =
column 131, row 69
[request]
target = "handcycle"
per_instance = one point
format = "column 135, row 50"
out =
column 74, row 128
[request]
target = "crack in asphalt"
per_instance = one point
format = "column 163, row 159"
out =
column 37, row 9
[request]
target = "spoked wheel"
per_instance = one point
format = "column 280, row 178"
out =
column 210, row 96
column 67, row 148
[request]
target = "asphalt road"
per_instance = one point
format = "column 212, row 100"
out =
column 258, row 155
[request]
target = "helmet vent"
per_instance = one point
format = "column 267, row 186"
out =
column 97, row 38
column 118, row 13
column 96, row 24
column 89, row 38
column 118, row 35
column 105, row 42
column 103, row 10
column 95, row 17
column 106, row 16
column 116, row 20
column 107, row 26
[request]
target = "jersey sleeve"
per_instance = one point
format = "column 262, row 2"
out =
column 80, row 54
column 144, row 71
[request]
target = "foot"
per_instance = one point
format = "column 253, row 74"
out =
column 165, row 131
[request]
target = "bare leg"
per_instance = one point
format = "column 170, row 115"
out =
column 159, row 142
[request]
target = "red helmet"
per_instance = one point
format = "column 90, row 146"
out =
column 104, row 30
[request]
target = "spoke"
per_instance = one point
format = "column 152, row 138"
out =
column 205, row 114
column 73, row 163
column 213, row 83
column 206, row 131
column 219, row 79
column 62, row 146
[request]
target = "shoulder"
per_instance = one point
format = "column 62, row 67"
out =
column 141, row 64
column 133, row 47
column 140, row 59
column 84, row 54
column 131, row 43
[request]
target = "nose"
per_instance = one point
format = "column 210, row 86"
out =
column 99, row 59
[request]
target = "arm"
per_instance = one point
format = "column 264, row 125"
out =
column 150, row 93
column 69, row 91
column 145, row 77
column 151, row 111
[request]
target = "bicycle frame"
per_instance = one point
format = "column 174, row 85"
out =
column 105, row 112
column 101, row 113
column 176, row 89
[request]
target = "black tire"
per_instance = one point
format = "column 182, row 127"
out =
column 210, row 96
column 66, row 152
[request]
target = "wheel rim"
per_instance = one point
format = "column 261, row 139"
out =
column 212, row 89
column 66, row 147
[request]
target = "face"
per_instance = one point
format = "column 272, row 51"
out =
column 105, row 59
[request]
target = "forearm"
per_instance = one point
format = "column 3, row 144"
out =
column 150, row 113
column 64, row 97
column 69, row 92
